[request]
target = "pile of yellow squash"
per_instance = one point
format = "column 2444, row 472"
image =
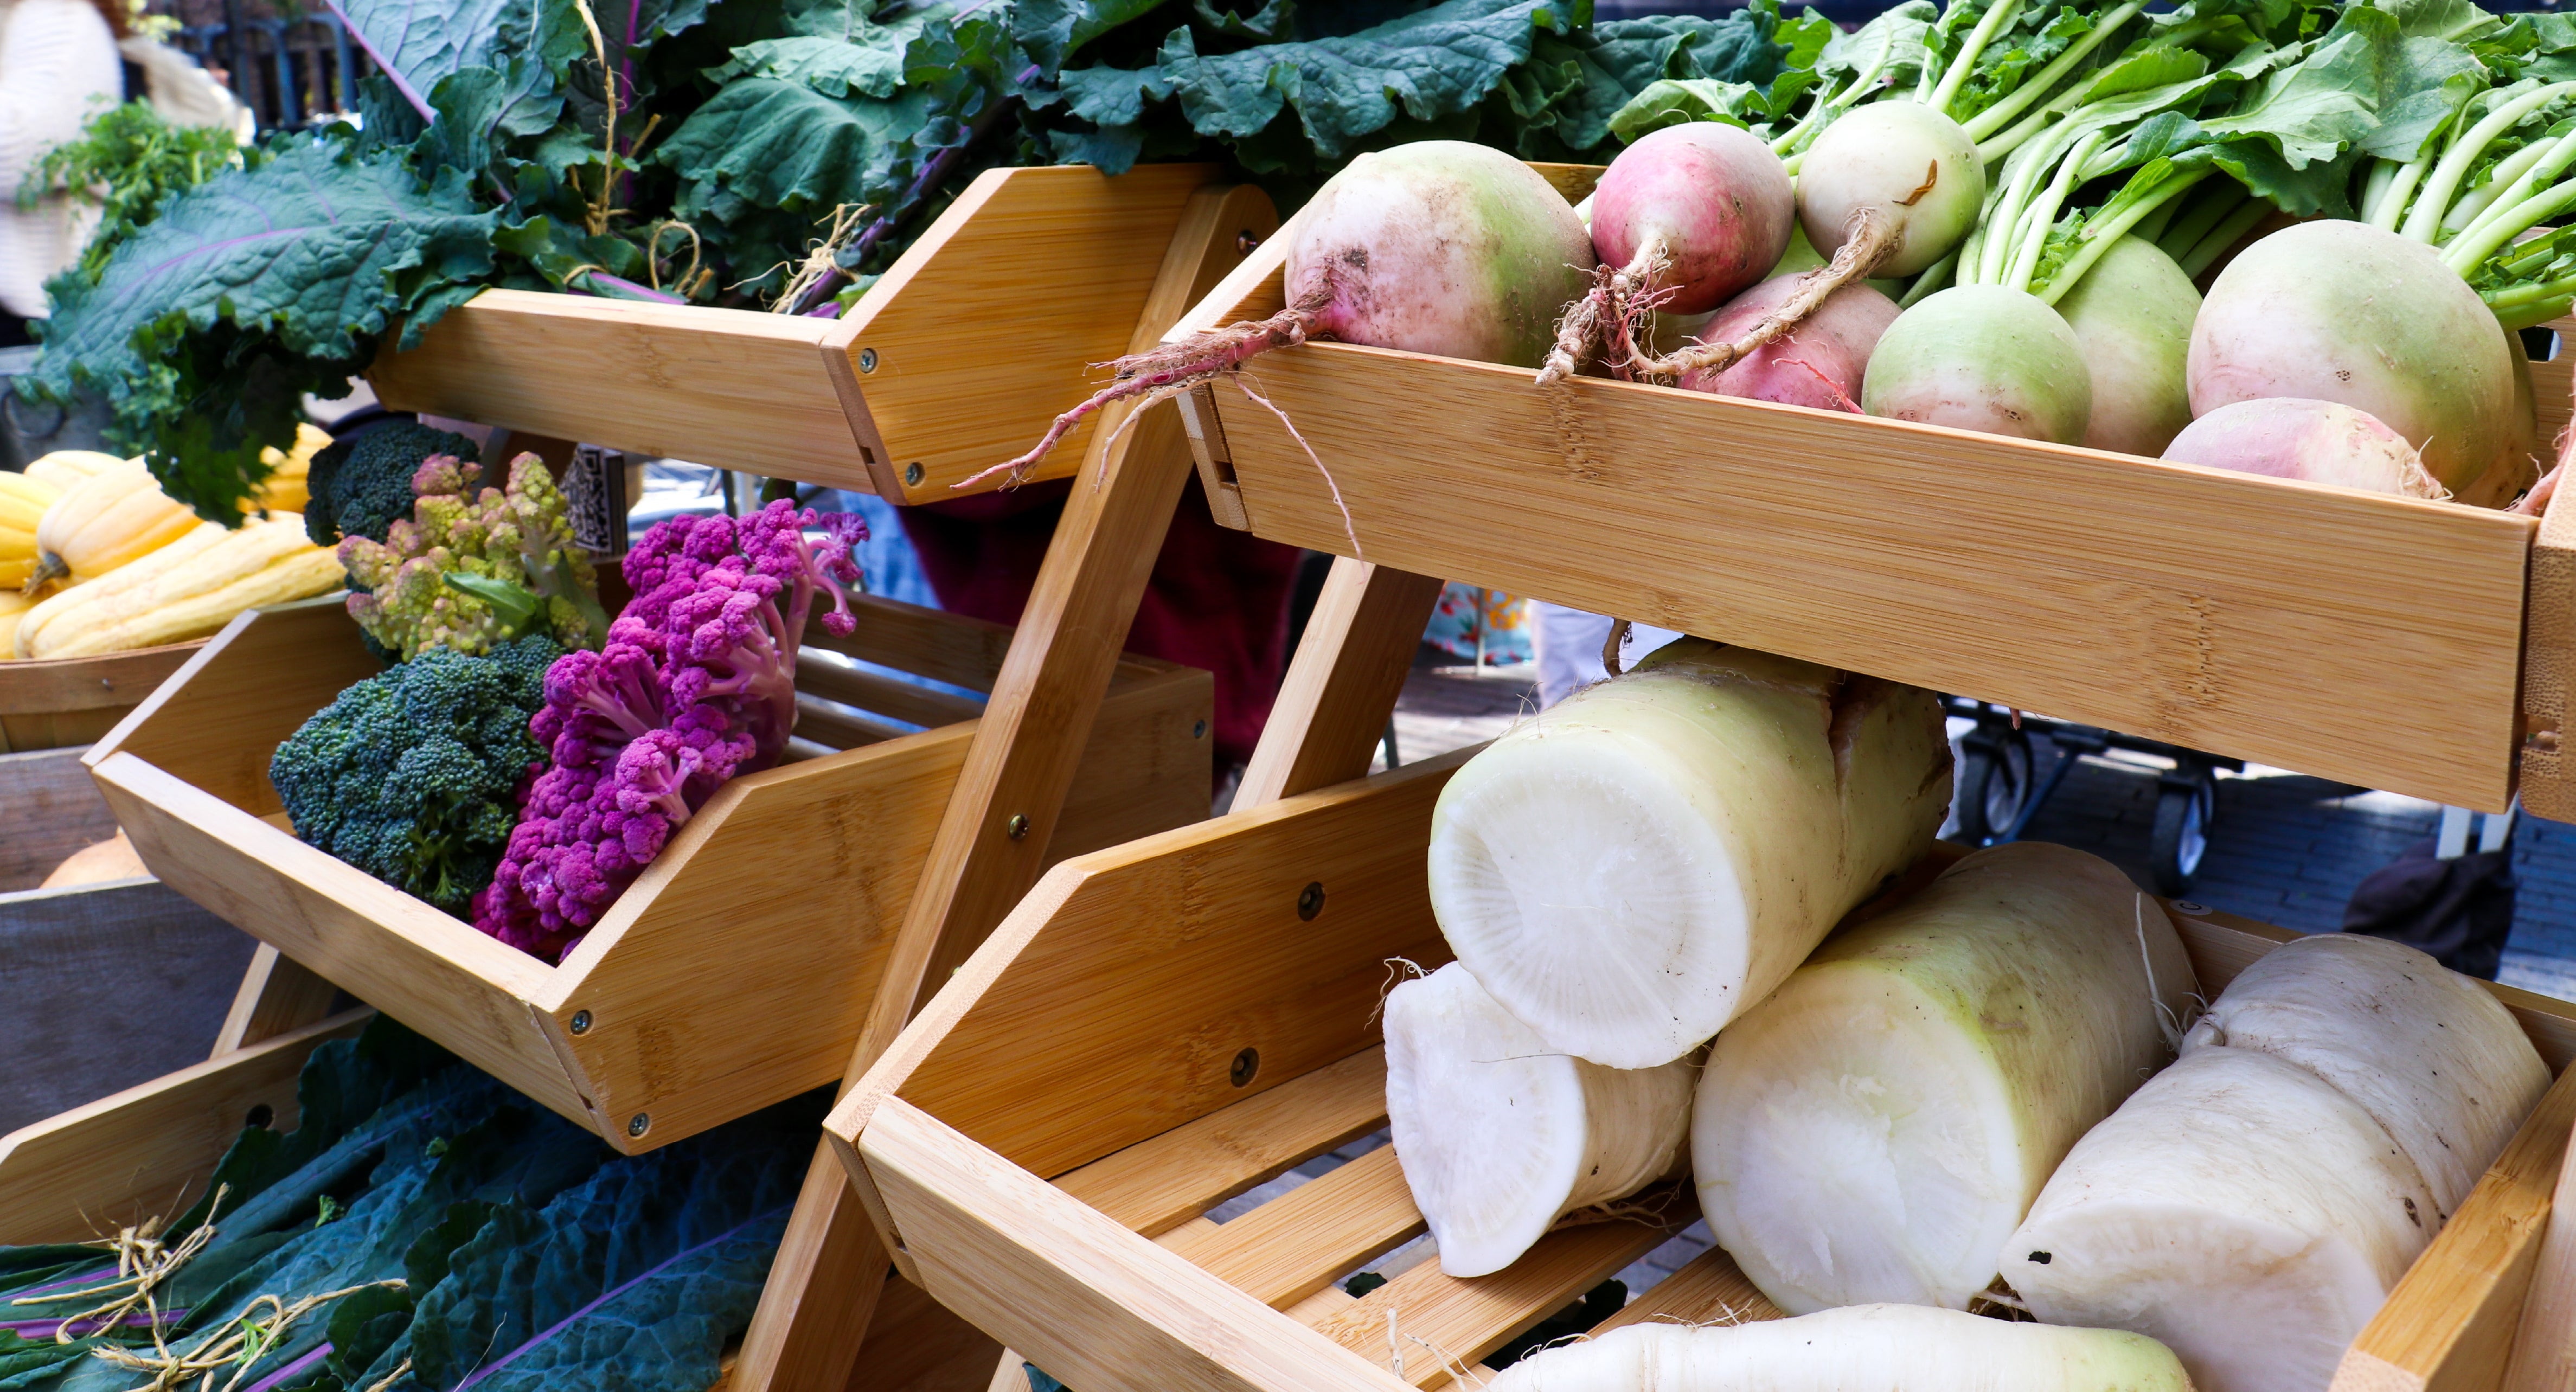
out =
column 95, row 558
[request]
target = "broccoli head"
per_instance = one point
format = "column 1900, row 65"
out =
column 361, row 487
column 413, row 775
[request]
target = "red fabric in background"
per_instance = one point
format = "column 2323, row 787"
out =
column 1218, row 599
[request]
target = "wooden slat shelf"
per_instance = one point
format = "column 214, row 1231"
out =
column 713, row 987
column 949, row 364
column 2369, row 639
column 55, row 703
column 1093, row 1042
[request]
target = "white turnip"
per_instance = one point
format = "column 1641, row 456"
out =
column 1982, row 357
column 2131, row 315
column 2429, row 1053
column 2319, row 441
column 1682, row 221
column 1499, row 1136
column 2239, row 1209
column 1862, row 1348
column 1878, row 1126
column 1440, row 246
column 1820, row 363
column 2343, row 311
column 1631, row 868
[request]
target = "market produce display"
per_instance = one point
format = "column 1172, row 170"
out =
column 472, row 568
column 421, row 1228
column 112, row 564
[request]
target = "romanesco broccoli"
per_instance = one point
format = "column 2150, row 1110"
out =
column 362, row 487
column 471, row 569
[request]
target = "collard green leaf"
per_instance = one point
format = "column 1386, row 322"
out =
column 417, row 42
column 781, row 144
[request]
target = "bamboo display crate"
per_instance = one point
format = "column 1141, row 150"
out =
column 736, row 972
column 950, row 363
column 1167, row 1024
column 56, row 703
column 2276, row 621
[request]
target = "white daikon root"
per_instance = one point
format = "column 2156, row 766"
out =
column 1631, row 869
column 1877, row 1128
column 2239, row 1209
column 1499, row 1136
column 1861, row 1348
column 2432, row 1055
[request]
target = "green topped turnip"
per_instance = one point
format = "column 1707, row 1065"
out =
column 1878, row 1126
column 2319, row 441
column 1862, row 1348
column 2131, row 316
column 1500, row 1136
column 1821, row 363
column 1633, row 867
column 2347, row 312
column 1439, row 246
column 1982, row 357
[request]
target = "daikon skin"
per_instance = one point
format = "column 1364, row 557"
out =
column 1861, row 1348
column 2238, row 1208
column 1876, row 1128
column 2433, row 1056
column 1631, row 868
column 1499, row 1136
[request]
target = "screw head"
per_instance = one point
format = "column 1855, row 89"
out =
column 581, row 1022
column 641, row 1123
column 1199, row 731
column 1310, row 901
column 2188, row 909
column 1244, row 242
column 912, row 474
column 1246, row 1064
column 867, row 360
column 261, row 1114
column 1017, row 827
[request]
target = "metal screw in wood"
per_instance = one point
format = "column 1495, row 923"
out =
column 581, row 1022
column 1310, row 901
column 642, row 1123
column 867, row 360
column 1199, row 731
column 1246, row 1064
column 1017, row 827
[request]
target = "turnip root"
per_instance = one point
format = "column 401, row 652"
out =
column 1981, row 357
column 2319, row 441
column 1682, row 220
column 1820, row 363
column 1862, row 1348
column 2347, row 312
column 2430, row 1054
column 2132, row 315
column 1886, row 190
column 2239, row 1209
column 1439, row 246
column 1633, row 867
column 1878, row 1126
column 1499, row 1137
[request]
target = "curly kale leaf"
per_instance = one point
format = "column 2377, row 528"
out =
column 259, row 284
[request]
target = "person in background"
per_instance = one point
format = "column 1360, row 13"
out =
column 59, row 66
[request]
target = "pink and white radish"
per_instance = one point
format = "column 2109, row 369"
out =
column 2132, row 315
column 1682, row 220
column 1982, row 357
column 1439, row 246
column 1820, row 363
column 2319, row 441
column 2343, row 311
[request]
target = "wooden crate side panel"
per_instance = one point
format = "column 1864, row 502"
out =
column 111, row 681
column 436, row 974
column 732, row 388
column 1078, row 1295
column 1057, row 258
column 146, row 1152
column 2449, row 1324
column 737, row 970
column 1147, row 767
column 49, row 808
column 2245, row 616
column 1121, row 1012
column 215, row 724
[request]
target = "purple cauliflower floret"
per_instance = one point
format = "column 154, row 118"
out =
column 697, row 684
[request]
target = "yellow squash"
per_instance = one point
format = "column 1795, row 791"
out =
column 113, row 518
column 13, row 607
column 284, row 491
column 171, row 599
column 23, row 501
column 63, row 468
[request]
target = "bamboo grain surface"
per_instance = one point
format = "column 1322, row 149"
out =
column 57, row 703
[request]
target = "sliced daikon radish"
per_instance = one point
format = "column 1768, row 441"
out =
column 1861, row 1348
column 2432, row 1055
column 1500, row 1136
column 2238, row 1208
column 1630, row 869
column 1877, row 1127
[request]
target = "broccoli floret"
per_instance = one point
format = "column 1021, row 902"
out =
column 362, row 487
column 413, row 775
